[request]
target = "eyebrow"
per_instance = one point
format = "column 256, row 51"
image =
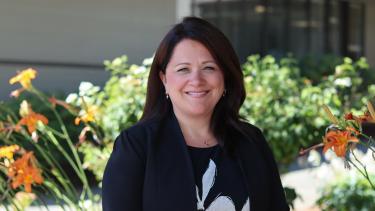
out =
column 187, row 63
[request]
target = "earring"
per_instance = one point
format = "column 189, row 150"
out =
column 225, row 92
column 167, row 96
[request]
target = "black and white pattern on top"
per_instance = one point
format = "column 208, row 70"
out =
column 221, row 203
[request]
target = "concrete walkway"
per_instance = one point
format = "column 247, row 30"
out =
column 307, row 184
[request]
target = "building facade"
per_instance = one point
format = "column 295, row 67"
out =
column 67, row 41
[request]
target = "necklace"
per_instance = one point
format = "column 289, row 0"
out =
column 206, row 143
column 200, row 142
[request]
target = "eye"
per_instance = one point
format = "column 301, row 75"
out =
column 209, row 68
column 182, row 69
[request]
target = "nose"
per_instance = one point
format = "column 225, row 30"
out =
column 197, row 78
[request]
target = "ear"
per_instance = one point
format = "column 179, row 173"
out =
column 162, row 77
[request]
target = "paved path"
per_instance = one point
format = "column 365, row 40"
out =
column 307, row 184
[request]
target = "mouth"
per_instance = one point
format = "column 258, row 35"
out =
column 197, row 94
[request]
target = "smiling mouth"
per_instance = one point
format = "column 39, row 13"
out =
column 196, row 94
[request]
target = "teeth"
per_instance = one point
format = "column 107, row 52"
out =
column 197, row 94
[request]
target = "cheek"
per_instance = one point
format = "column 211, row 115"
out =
column 174, row 82
column 218, row 81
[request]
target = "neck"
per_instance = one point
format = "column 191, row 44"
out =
column 196, row 130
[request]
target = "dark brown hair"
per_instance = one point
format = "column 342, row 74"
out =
column 226, row 113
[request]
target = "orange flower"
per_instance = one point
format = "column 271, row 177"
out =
column 338, row 140
column 30, row 120
column 366, row 117
column 349, row 116
column 55, row 102
column 24, row 78
column 87, row 116
column 24, row 171
column 8, row 151
column 353, row 130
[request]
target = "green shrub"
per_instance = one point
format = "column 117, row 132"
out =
column 120, row 105
column 348, row 194
column 316, row 68
column 287, row 105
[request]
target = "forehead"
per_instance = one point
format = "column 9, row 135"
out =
column 188, row 49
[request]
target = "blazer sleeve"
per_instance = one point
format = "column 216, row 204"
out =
column 277, row 191
column 123, row 175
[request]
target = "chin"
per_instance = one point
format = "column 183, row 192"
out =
column 194, row 110
column 200, row 112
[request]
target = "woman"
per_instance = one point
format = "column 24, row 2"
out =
column 191, row 150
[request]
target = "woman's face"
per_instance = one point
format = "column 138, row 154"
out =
column 193, row 80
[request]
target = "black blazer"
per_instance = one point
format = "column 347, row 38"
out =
column 150, row 169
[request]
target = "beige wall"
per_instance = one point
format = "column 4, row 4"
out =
column 370, row 33
column 89, row 31
column 86, row 31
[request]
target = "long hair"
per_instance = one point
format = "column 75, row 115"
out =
column 226, row 112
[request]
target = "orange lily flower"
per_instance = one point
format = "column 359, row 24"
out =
column 353, row 130
column 366, row 117
column 24, row 78
column 338, row 140
column 87, row 116
column 349, row 116
column 24, row 171
column 62, row 103
column 8, row 151
column 31, row 120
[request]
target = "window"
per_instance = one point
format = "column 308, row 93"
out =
column 277, row 27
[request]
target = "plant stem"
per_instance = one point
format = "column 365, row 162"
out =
column 365, row 173
column 5, row 193
column 79, row 170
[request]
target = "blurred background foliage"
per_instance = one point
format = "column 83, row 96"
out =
column 348, row 193
column 286, row 103
column 120, row 104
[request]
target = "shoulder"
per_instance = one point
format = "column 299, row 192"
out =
column 251, row 131
column 135, row 139
column 142, row 130
column 253, row 135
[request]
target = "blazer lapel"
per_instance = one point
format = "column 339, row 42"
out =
column 174, row 170
column 254, row 171
column 174, row 175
